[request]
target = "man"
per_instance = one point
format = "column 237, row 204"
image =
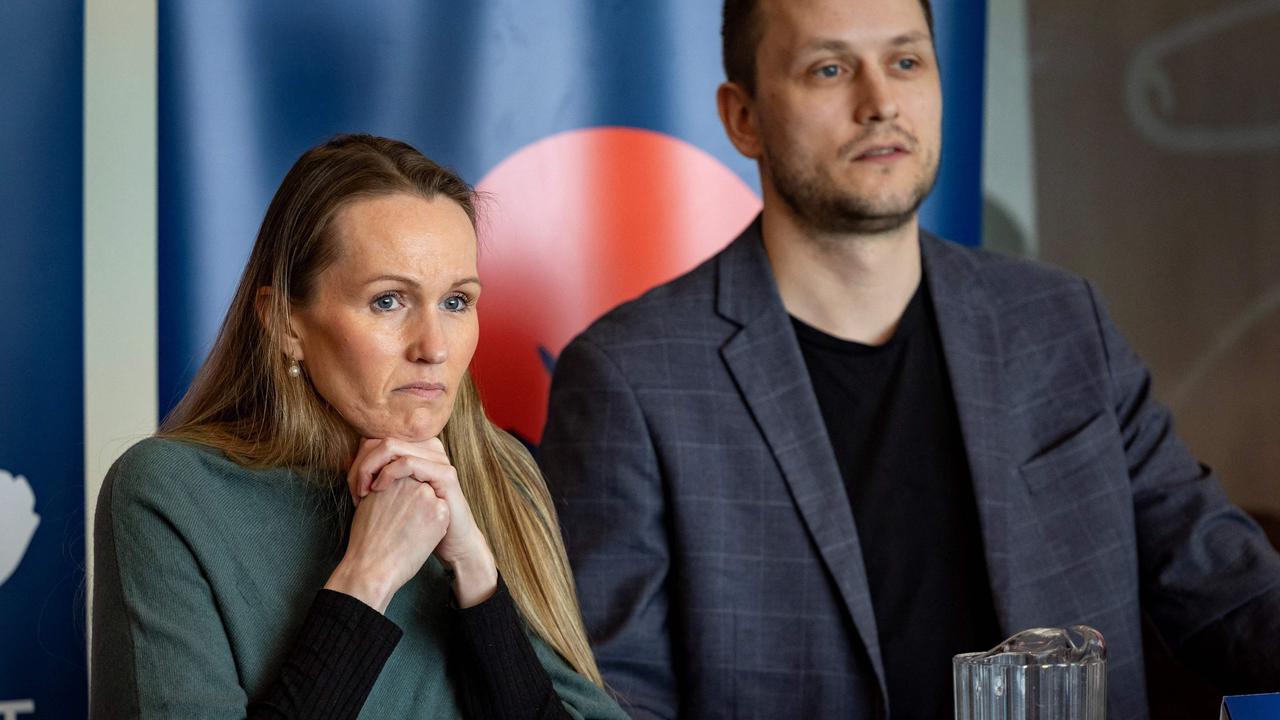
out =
column 795, row 481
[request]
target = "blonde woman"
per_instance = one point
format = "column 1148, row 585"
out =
column 236, row 574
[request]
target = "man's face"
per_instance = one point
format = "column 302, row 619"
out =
column 848, row 109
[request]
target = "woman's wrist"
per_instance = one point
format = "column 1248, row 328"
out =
column 475, row 578
column 363, row 586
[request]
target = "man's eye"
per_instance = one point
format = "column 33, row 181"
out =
column 828, row 71
column 386, row 303
column 908, row 64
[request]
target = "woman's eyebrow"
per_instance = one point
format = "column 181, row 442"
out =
column 414, row 283
column 395, row 278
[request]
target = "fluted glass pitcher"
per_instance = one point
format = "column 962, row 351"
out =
column 1038, row 674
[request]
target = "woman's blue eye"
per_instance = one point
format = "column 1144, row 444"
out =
column 386, row 303
column 455, row 303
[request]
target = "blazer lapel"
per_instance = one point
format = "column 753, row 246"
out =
column 765, row 361
column 967, row 323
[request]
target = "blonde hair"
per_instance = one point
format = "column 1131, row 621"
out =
column 243, row 402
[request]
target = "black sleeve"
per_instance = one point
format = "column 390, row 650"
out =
column 336, row 658
column 498, row 672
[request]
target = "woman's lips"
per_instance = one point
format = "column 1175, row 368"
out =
column 424, row 391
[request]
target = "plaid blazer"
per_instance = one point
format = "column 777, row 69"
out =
column 712, row 541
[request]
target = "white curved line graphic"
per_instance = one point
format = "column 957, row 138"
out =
column 1147, row 82
column 1222, row 345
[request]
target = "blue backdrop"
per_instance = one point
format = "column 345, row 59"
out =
column 42, row 661
column 245, row 87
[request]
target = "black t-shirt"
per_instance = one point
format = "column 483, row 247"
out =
column 892, row 421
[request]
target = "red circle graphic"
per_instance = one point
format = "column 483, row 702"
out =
column 575, row 224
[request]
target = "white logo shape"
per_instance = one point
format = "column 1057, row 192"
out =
column 18, row 522
column 1147, row 83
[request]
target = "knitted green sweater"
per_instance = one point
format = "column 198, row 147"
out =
column 204, row 572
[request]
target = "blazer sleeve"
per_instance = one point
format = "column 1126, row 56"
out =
column 1210, row 578
column 602, row 469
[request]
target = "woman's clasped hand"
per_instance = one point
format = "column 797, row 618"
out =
column 409, row 503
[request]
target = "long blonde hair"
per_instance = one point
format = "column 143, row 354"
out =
column 243, row 402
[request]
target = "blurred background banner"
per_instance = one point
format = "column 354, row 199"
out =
column 42, row 624
column 590, row 124
column 1159, row 179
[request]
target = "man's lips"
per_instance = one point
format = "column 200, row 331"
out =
column 426, row 391
column 889, row 146
column 883, row 153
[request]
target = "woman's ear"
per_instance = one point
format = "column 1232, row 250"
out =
column 264, row 303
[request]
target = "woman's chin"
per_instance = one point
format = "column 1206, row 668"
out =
column 412, row 427
column 414, row 431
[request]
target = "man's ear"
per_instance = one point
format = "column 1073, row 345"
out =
column 263, row 305
column 737, row 113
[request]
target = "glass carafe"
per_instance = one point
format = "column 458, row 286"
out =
column 1038, row 674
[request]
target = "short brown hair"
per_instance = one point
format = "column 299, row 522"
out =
column 740, row 33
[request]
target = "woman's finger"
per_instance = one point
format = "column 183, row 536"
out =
column 443, row 479
column 371, row 458
column 374, row 454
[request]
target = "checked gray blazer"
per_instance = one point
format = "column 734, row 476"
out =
column 713, row 544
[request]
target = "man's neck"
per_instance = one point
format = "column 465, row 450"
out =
column 854, row 287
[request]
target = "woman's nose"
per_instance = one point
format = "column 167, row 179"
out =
column 429, row 343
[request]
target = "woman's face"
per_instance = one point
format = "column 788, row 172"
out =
column 391, row 324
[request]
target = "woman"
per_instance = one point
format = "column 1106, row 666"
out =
column 234, row 574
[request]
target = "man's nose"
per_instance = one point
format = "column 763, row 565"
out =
column 875, row 101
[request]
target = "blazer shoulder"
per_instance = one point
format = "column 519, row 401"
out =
column 1009, row 280
column 680, row 308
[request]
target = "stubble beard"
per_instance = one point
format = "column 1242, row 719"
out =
column 822, row 207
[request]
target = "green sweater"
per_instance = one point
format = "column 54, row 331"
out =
column 204, row 572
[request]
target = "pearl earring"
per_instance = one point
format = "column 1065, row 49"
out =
column 294, row 369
